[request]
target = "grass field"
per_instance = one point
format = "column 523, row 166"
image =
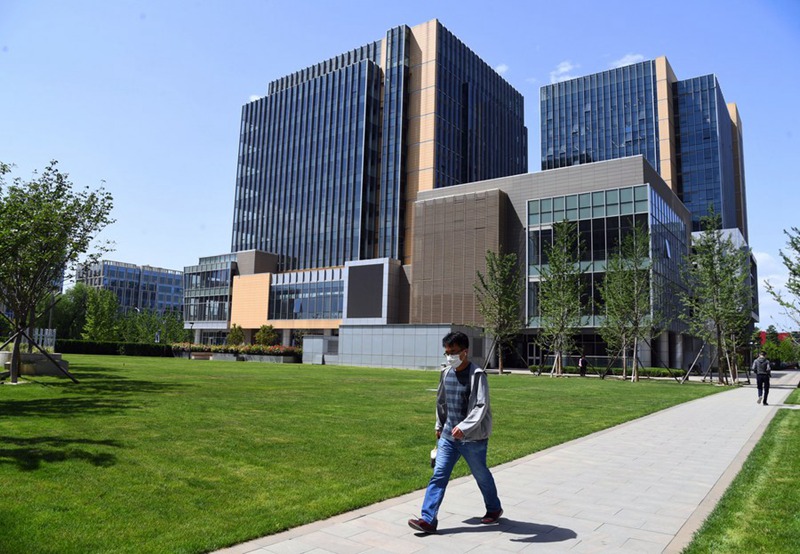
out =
column 172, row 455
column 760, row 511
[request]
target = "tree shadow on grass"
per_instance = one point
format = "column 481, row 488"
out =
column 62, row 407
column 100, row 392
column 107, row 382
column 31, row 452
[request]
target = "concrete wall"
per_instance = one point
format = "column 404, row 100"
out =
column 400, row 346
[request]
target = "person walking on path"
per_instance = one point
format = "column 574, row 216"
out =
column 762, row 369
column 463, row 426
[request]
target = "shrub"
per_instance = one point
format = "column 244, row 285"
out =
column 254, row 349
column 643, row 371
column 69, row 346
column 267, row 336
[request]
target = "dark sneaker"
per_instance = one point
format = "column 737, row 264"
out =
column 765, row 404
column 422, row 526
column 491, row 517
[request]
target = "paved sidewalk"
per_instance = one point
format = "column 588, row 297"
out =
column 643, row 486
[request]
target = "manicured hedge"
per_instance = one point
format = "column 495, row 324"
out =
column 643, row 371
column 65, row 346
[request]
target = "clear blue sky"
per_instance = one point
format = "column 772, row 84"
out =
column 147, row 95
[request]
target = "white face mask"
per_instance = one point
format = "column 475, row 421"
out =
column 453, row 360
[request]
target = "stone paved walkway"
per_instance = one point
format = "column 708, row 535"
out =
column 643, row 486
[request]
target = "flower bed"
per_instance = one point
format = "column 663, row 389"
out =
column 246, row 352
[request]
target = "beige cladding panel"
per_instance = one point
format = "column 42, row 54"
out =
column 420, row 123
column 427, row 100
column 415, row 182
column 665, row 77
column 420, row 129
column 666, row 174
column 424, row 40
column 420, row 155
column 664, row 127
column 421, row 77
column 426, row 74
column 250, row 301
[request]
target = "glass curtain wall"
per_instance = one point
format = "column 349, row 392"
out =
column 705, row 150
column 603, row 219
column 598, row 117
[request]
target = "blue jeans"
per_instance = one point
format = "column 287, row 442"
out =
column 762, row 382
column 449, row 452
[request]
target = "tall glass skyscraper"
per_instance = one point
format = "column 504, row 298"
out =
column 332, row 158
column 684, row 129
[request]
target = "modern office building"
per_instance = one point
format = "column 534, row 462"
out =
column 683, row 128
column 516, row 214
column 331, row 161
column 371, row 185
column 332, row 158
column 139, row 287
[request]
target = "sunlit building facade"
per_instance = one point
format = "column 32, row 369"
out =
column 683, row 128
column 138, row 287
column 333, row 156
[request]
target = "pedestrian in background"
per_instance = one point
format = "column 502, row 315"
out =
column 762, row 369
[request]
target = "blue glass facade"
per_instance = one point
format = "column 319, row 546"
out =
column 598, row 117
column 324, row 156
column 307, row 296
column 139, row 287
column 480, row 132
column 307, row 182
column 208, row 290
column 603, row 218
column 392, row 209
column 705, row 150
column 615, row 113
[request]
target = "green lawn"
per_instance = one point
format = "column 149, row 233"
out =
column 760, row 511
column 172, row 455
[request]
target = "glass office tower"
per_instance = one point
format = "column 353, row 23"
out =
column 704, row 151
column 332, row 158
column 138, row 287
column 684, row 129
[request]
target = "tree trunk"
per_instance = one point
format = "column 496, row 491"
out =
column 720, row 373
column 500, row 359
column 624, row 363
column 635, row 366
column 15, row 359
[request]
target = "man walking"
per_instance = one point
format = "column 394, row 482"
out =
column 463, row 426
column 762, row 369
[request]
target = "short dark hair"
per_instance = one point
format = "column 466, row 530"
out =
column 456, row 338
column 763, row 353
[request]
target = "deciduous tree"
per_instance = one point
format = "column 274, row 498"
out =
column 718, row 301
column 498, row 293
column 791, row 260
column 560, row 293
column 626, row 294
column 46, row 226
column 102, row 316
